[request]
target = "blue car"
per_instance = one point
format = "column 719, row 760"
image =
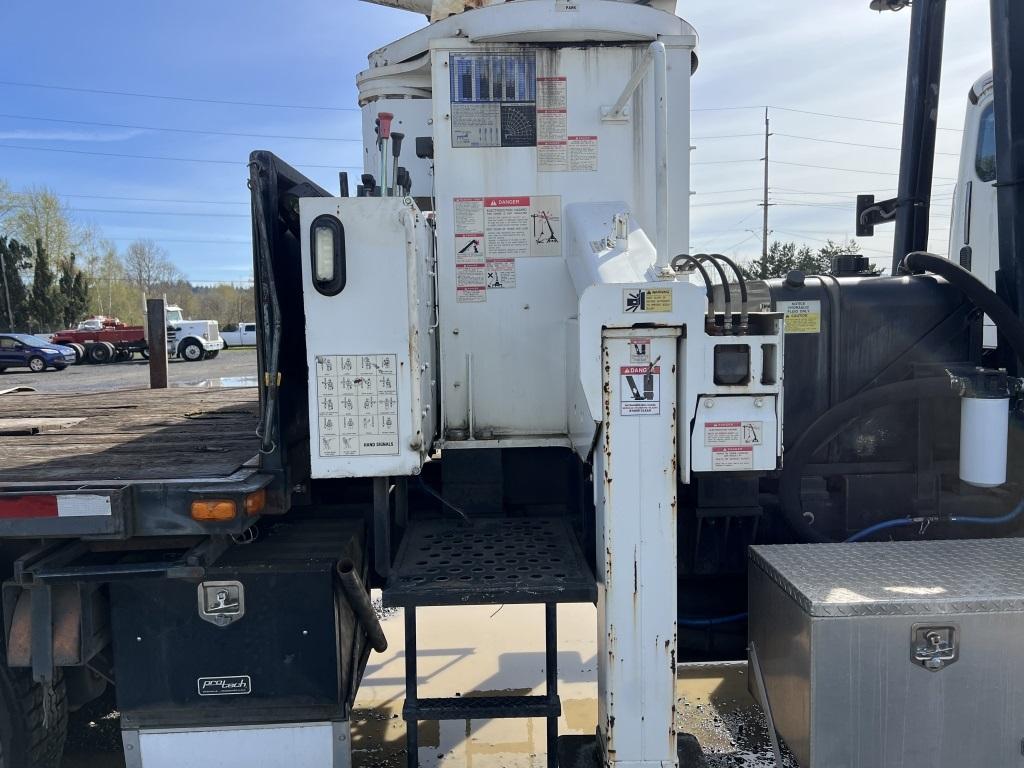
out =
column 19, row 350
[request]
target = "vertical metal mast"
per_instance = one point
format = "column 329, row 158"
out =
column 1008, row 65
column 920, row 113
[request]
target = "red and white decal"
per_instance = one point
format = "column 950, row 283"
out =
column 62, row 505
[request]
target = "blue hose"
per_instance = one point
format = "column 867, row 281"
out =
column 899, row 522
column 703, row 623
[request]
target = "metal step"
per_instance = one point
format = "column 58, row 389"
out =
column 482, row 708
column 492, row 561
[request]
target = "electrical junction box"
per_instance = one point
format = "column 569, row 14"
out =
column 893, row 654
column 735, row 433
column 369, row 337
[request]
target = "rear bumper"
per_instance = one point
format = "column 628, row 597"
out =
column 120, row 512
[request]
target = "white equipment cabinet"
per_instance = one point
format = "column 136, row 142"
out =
column 370, row 345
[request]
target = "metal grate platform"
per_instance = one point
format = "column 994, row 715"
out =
column 512, row 561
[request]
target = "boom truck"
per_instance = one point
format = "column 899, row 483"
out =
column 508, row 382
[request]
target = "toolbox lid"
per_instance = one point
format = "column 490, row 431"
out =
column 898, row 578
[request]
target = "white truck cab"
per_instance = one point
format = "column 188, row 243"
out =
column 974, row 234
column 192, row 340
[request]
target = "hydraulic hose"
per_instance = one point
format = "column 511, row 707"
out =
column 708, row 285
column 828, row 425
column 983, row 297
column 727, row 315
column 742, row 282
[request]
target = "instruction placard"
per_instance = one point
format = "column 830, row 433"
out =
column 357, row 405
column 732, row 458
column 640, row 390
column 647, row 300
column 733, row 433
column 802, row 316
column 493, row 99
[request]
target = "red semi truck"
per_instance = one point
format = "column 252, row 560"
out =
column 102, row 339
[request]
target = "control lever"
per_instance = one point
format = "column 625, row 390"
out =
column 396, row 150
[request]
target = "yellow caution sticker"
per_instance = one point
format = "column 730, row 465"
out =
column 802, row 316
column 647, row 300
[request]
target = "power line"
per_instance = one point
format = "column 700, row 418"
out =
column 849, row 170
column 851, row 117
column 723, row 162
column 204, row 214
column 725, row 136
column 166, row 97
column 722, row 202
column 853, row 143
column 193, row 131
column 179, row 240
column 156, row 199
column 163, row 157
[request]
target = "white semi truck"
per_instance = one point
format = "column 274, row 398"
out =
column 496, row 376
column 974, row 233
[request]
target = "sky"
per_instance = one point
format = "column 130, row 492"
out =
column 287, row 71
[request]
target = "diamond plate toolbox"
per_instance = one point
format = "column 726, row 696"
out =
column 893, row 653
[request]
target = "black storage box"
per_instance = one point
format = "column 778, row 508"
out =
column 267, row 636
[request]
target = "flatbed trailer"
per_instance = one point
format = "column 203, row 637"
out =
column 130, row 464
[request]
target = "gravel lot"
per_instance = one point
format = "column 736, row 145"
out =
column 231, row 365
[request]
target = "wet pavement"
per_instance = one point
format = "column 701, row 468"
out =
column 483, row 650
column 232, row 367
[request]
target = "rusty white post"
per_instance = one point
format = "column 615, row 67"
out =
column 635, row 478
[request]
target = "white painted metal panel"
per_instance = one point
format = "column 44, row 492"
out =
column 635, row 498
column 372, row 342
column 517, row 336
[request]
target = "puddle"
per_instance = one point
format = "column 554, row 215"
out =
column 225, row 382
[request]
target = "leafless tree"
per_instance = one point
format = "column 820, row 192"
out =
column 148, row 266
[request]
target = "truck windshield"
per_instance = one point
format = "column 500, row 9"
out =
column 985, row 160
column 174, row 316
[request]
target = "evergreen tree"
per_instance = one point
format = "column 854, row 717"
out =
column 44, row 301
column 74, row 292
column 13, row 295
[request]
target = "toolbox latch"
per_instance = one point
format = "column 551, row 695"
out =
column 934, row 647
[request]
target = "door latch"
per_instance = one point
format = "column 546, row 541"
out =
column 934, row 647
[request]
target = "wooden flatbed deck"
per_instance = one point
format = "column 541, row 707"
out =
column 126, row 436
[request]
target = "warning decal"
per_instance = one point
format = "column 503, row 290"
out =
column 733, row 433
column 492, row 232
column 732, row 459
column 493, row 99
column 647, row 300
column 640, row 390
column 802, row 316
column 357, row 405
column 639, row 351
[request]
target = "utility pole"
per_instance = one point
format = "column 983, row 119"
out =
column 764, row 204
column 7, row 292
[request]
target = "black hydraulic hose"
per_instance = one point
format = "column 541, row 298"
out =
column 359, row 600
column 828, row 425
column 708, row 285
column 742, row 281
column 983, row 297
column 271, row 313
column 727, row 315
